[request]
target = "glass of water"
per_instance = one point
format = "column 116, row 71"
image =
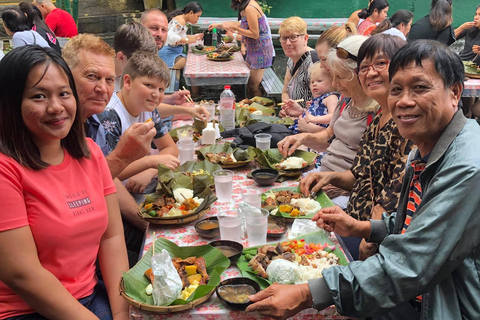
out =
column 230, row 226
column 262, row 141
column 223, row 185
column 257, row 222
column 185, row 150
column 252, row 197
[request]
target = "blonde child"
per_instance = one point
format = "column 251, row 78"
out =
column 321, row 108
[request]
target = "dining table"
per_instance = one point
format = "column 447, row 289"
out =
column 471, row 88
column 185, row 235
column 200, row 71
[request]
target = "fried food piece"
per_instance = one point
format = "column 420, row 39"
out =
column 184, row 276
column 202, row 269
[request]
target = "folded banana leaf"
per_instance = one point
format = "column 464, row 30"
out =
column 241, row 116
column 216, row 262
column 271, row 157
column 316, row 237
column 243, row 156
column 174, row 132
column 264, row 101
column 269, row 119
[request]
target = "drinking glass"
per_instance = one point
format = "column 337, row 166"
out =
column 257, row 221
column 185, row 134
column 185, row 150
column 230, row 226
column 223, row 185
column 262, row 141
column 252, row 197
column 211, row 109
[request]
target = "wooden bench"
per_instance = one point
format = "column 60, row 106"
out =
column 174, row 81
column 272, row 84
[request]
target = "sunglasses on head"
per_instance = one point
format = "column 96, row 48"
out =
column 344, row 54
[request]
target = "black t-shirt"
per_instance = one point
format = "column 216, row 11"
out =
column 472, row 37
column 422, row 29
column 51, row 40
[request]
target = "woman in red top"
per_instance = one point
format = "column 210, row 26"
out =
column 376, row 13
column 59, row 207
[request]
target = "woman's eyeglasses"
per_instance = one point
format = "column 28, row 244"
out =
column 292, row 38
column 378, row 65
column 344, row 54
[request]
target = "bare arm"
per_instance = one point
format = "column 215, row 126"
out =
column 253, row 30
column 112, row 256
column 464, row 26
column 24, row 274
column 331, row 103
column 128, row 206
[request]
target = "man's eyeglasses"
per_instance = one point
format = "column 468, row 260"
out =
column 344, row 54
column 378, row 65
column 292, row 38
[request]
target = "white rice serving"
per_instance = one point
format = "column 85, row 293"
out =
column 182, row 194
column 306, row 205
column 293, row 163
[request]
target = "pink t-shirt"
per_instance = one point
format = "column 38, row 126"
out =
column 65, row 208
column 61, row 23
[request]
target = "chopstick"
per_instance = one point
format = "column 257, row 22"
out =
column 188, row 97
column 282, row 103
column 153, row 244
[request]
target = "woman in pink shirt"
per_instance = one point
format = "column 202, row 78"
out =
column 59, row 207
column 376, row 13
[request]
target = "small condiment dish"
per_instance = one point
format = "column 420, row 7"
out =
column 234, row 292
column 208, row 228
column 265, row 177
column 231, row 249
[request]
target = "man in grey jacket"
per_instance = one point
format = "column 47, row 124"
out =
column 430, row 246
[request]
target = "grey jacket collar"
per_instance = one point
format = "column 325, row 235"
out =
column 451, row 131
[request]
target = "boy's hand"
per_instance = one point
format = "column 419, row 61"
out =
column 476, row 49
column 177, row 98
column 168, row 160
column 139, row 182
column 199, row 112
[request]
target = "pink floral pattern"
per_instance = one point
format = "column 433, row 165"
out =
column 472, row 88
column 185, row 235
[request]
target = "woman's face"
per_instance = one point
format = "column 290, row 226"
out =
column 294, row 44
column 373, row 76
column 193, row 17
column 322, row 51
column 379, row 15
column 48, row 105
column 343, row 82
column 405, row 29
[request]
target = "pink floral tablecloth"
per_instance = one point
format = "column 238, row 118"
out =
column 185, row 235
column 471, row 88
column 199, row 71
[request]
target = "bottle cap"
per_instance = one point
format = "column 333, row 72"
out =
column 226, row 87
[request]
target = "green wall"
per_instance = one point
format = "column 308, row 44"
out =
column 463, row 10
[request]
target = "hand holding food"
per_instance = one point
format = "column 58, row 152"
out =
column 317, row 179
column 334, row 219
column 291, row 143
column 168, row 160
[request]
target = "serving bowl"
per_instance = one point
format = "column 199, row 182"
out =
column 205, row 229
column 231, row 249
column 244, row 286
column 265, row 177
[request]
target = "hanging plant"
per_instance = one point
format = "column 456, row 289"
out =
column 265, row 7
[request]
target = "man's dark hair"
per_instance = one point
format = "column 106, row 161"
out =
column 15, row 20
column 447, row 63
column 379, row 43
column 16, row 141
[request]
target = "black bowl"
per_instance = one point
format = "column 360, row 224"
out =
column 265, row 177
column 210, row 233
column 229, row 245
column 236, row 281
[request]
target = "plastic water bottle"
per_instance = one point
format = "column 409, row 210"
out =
column 214, row 37
column 227, row 109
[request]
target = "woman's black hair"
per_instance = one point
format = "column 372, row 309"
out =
column 386, row 44
column 239, row 6
column 191, row 6
column 15, row 20
column 376, row 4
column 440, row 14
column 399, row 17
column 16, row 141
column 34, row 17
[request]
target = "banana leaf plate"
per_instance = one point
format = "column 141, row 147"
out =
column 316, row 237
column 271, row 157
column 133, row 283
column 243, row 156
column 321, row 198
